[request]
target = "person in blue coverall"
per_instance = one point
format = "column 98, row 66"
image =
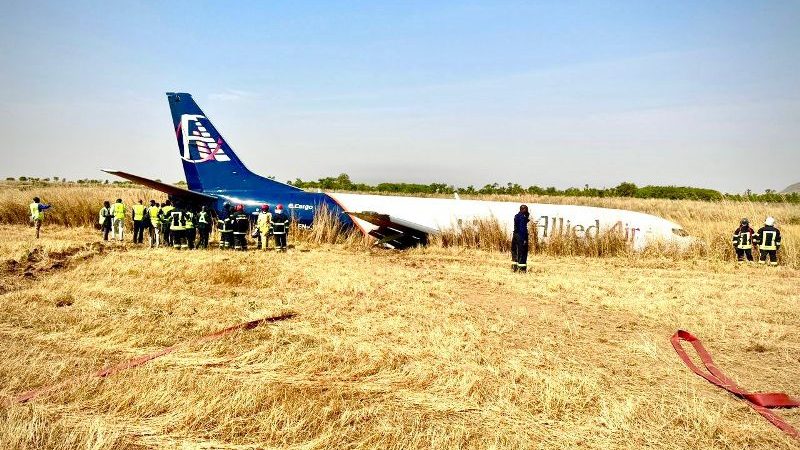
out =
column 519, row 241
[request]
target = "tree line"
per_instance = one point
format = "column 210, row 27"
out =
column 626, row 189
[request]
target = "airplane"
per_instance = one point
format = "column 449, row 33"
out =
column 215, row 176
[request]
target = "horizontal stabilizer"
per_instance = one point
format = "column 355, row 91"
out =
column 168, row 189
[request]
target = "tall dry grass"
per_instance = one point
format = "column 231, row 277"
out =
column 327, row 228
column 711, row 222
column 72, row 205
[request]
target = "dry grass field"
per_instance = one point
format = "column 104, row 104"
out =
column 440, row 347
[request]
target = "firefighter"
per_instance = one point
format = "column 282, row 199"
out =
column 137, row 214
column 224, row 225
column 768, row 239
column 203, row 226
column 241, row 224
column 189, row 232
column 264, row 225
column 280, row 228
column 743, row 241
column 166, row 216
column 154, row 213
column 118, row 221
column 519, row 240
column 177, row 227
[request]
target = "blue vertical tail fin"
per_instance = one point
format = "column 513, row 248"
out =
column 209, row 163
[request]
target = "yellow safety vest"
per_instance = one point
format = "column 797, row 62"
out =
column 154, row 210
column 138, row 212
column 119, row 210
column 35, row 213
column 189, row 220
column 167, row 210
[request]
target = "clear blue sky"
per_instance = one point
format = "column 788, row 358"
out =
column 548, row 93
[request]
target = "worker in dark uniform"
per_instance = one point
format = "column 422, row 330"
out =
column 203, row 226
column 166, row 211
column 519, row 240
column 768, row 239
column 241, row 225
column 280, row 228
column 189, row 232
column 177, row 226
column 224, row 225
column 743, row 241
column 104, row 219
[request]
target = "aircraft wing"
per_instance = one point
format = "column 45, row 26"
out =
column 168, row 189
column 394, row 231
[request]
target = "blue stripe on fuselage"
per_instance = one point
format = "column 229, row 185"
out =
column 299, row 205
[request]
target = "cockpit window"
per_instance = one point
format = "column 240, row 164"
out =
column 680, row 232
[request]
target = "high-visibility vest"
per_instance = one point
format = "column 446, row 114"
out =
column 153, row 211
column 743, row 240
column 189, row 220
column 263, row 222
column 280, row 223
column 768, row 240
column 227, row 225
column 177, row 221
column 167, row 211
column 202, row 218
column 138, row 212
column 119, row 210
column 240, row 223
column 35, row 213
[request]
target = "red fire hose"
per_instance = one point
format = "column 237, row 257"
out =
column 139, row 360
column 761, row 402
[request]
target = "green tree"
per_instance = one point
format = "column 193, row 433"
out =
column 626, row 189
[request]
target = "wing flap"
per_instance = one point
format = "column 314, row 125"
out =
column 393, row 231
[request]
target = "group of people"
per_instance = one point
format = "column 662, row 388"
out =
column 767, row 238
column 187, row 227
column 234, row 225
column 166, row 224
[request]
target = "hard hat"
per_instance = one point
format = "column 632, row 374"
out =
column 239, row 207
column 280, row 206
column 265, row 207
column 770, row 221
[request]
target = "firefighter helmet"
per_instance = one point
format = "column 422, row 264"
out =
column 239, row 208
column 265, row 207
column 770, row 221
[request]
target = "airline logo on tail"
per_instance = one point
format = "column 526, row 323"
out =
column 196, row 143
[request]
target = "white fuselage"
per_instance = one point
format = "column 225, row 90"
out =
column 440, row 214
